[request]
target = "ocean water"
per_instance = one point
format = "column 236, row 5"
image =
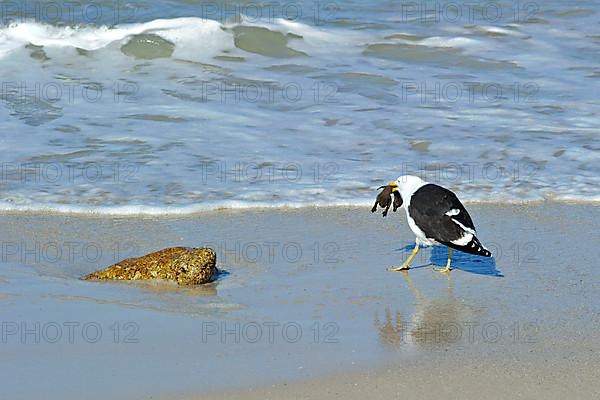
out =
column 177, row 106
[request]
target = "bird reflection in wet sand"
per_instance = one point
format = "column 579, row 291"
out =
column 434, row 322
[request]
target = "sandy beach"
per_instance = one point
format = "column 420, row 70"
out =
column 451, row 378
column 303, row 308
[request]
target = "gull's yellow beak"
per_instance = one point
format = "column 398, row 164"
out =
column 393, row 185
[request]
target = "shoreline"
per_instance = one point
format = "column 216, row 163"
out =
column 196, row 211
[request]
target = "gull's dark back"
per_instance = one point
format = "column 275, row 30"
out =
column 434, row 202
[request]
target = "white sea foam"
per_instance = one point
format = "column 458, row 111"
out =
column 193, row 37
column 457, row 42
column 166, row 211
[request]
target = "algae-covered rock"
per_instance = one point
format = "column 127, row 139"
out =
column 184, row 265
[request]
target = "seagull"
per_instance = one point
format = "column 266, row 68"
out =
column 436, row 216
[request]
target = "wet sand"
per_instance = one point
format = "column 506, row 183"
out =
column 304, row 306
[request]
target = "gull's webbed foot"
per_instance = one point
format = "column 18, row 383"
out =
column 406, row 265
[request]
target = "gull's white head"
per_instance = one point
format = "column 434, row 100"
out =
column 408, row 184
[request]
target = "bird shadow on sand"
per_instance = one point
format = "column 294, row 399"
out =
column 465, row 262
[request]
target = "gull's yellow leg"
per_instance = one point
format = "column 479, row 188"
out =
column 447, row 269
column 406, row 263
